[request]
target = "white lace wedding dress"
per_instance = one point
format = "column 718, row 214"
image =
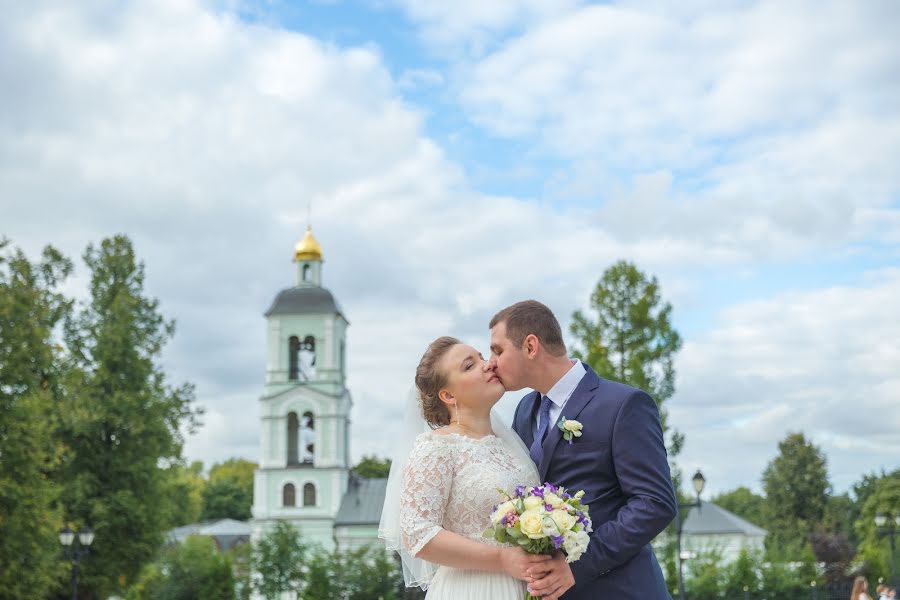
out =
column 450, row 482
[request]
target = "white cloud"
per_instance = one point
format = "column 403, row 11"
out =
column 776, row 125
column 823, row 362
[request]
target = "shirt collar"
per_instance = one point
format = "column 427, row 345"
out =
column 563, row 388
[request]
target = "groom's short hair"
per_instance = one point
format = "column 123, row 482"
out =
column 527, row 317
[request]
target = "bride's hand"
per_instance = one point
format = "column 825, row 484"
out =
column 521, row 565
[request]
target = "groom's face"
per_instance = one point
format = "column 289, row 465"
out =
column 508, row 360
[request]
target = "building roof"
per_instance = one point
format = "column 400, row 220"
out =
column 226, row 532
column 710, row 519
column 363, row 502
column 306, row 300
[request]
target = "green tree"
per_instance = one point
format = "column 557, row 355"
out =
column 121, row 420
column 186, row 486
column 796, row 486
column 742, row 575
column 229, row 491
column 874, row 549
column 744, row 503
column 705, row 579
column 225, row 498
column 372, row 467
column 359, row 574
column 193, row 570
column 278, row 561
column 30, row 310
column 627, row 336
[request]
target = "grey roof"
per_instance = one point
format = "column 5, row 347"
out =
column 362, row 503
column 226, row 532
column 304, row 301
column 710, row 519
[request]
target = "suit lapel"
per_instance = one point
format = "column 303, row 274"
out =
column 576, row 403
column 526, row 418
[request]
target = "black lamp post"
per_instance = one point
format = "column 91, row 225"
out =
column 699, row 482
column 74, row 552
column 886, row 526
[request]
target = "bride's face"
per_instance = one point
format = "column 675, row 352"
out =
column 470, row 378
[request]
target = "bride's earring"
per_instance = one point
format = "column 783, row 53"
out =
column 456, row 408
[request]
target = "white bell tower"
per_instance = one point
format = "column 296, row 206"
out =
column 305, row 407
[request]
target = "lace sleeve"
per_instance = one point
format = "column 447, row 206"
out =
column 426, row 486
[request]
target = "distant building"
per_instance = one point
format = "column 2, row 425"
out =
column 304, row 469
column 226, row 533
column 710, row 527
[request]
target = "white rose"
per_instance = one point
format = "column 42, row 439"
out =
column 572, row 426
column 533, row 502
column 532, row 524
column 564, row 521
column 502, row 511
column 553, row 500
column 575, row 543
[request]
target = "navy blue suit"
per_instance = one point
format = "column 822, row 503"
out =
column 620, row 462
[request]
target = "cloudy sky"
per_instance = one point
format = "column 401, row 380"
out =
column 462, row 156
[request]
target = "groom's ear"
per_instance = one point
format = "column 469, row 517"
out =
column 531, row 345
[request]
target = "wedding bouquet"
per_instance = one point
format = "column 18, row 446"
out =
column 542, row 519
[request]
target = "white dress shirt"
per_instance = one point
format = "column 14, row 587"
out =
column 560, row 393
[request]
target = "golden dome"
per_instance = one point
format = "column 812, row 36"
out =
column 308, row 248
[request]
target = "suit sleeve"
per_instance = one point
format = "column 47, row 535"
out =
column 641, row 466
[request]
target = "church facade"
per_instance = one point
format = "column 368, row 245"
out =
column 304, row 475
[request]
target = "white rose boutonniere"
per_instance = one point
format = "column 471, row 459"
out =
column 570, row 428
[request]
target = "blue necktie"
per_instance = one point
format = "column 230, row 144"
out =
column 536, row 451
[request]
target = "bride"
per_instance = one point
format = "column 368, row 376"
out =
column 443, row 483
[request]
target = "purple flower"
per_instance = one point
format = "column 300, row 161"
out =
column 553, row 489
column 566, row 496
column 558, row 541
column 548, row 507
column 503, row 520
column 537, row 491
column 520, row 490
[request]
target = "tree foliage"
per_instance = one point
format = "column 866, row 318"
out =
column 372, row 467
column 192, row 570
column 627, row 335
column 30, row 310
column 797, row 489
column 279, row 562
column 121, row 420
column 228, row 494
column 745, row 504
column 874, row 548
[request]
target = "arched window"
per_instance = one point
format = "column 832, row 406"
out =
column 293, row 354
column 307, row 272
column 308, row 358
column 289, row 495
column 309, row 495
column 307, row 438
column 293, row 427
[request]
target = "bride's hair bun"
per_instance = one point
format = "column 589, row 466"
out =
column 430, row 379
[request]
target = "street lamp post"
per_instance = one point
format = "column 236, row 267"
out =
column 699, row 482
column 887, row 526
column 75, row 552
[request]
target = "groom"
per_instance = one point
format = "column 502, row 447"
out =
column 619, row 460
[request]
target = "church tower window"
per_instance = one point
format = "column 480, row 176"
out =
column 293, row 427
column 294, row 355
column 288, row 495
column 307, row 438
column 309, row 495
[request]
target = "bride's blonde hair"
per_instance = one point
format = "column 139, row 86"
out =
column 430, row 379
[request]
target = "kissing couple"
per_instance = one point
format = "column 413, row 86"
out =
column 455, row 453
